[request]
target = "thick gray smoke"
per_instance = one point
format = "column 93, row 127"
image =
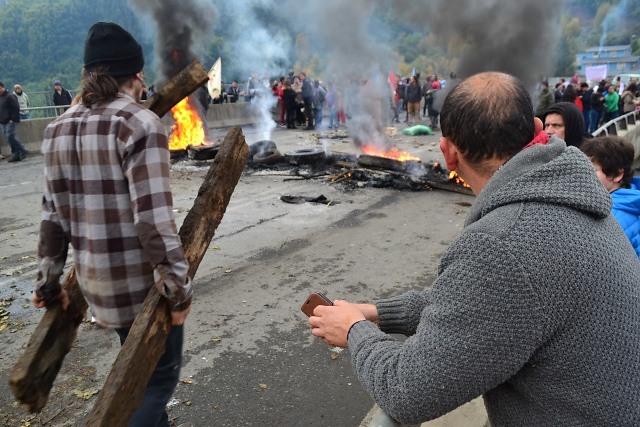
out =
column 357, row 57
column 181, row 28
column 612, row 20
column 261, row 51
column 516, row 37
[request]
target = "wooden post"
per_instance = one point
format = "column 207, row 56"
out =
column 122, row 393
column 33, row 374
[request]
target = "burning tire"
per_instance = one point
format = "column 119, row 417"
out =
column 267, row 157
column 261, row 146
column 305, row 156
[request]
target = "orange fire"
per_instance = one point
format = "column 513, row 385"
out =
column 188, row 129
column 394, row 153
column 454, row 177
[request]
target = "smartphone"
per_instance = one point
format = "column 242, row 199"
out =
column 314, row 300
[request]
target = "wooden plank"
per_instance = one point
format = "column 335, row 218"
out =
column 122, row 393
column 171, row 93
column 33, row 374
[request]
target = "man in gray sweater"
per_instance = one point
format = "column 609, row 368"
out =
column 537, row 303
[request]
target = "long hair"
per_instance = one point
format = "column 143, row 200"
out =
column 99, row 87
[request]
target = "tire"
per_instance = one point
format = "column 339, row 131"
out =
column 261, row 146
column 305, row 156
column 267, row 157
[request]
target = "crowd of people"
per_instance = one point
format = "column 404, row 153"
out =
column 535, row 305
column 598, row 103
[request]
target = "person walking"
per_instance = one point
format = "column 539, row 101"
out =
column 107, row 192
column 23, row 102
column 535, row 306
column 9, row 120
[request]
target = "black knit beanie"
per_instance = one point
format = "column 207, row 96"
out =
column 110, row 46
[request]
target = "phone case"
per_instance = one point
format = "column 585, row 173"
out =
column 314, row 300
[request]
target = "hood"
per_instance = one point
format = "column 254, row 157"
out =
column 551, row 173
column 574, row 129
column 628, row 199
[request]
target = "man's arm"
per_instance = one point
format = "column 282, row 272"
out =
column 147, row 170
column 483, row 324
column 52, row 255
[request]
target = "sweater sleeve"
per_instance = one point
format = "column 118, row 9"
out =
column 482, row 323
column 147, row 171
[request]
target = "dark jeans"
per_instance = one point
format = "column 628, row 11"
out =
column 594, row 120
column 162, row 383
column 610, row 115
column 309, row 111
column 586, row 115
column 9, row 131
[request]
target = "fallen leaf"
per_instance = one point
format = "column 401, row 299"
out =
column 86, row 394
column 334, row 356
column 228, row 270
column 186, row 381
column 262, row 387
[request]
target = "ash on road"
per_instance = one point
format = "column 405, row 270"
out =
column 249, row 357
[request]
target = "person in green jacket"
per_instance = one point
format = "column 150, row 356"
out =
column 545, row 99
column 611, row 104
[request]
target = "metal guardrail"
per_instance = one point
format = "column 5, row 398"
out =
column 618, row 125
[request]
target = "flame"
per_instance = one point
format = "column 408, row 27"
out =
column 454, row 177
column 394, row 153
column 189, row 129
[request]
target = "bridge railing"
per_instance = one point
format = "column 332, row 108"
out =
column 618, row 125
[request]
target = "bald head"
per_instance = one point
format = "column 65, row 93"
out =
column 488, row 116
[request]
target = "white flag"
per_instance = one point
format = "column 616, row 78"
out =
column 215, row 79
column 596, row 73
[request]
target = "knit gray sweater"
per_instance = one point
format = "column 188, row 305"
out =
column 536, row 307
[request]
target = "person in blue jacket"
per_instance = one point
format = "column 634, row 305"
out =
column 612, row 157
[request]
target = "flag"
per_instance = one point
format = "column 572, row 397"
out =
column 596, row 73
column 392, row 80
column 215, row 79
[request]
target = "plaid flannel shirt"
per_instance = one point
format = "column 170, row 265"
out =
column 107, row 192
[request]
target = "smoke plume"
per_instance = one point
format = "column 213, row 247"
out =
column 181, row 28
column 514, row 37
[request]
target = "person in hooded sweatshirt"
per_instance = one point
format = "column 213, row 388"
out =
column 536, row 303
column 565, row 120
column 612, row 158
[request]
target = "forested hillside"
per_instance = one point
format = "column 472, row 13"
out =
column 42, row 40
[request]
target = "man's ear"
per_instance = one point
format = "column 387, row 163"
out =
column 617, row 178
column 538, row 126
column 450, row 153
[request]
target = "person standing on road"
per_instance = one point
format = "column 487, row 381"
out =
column 536, row 303
column 611, row 104
column 61, row 96
column 9, row 119
column 107, row 192
column 307, row 99
column 23, row 101
column 545, row 99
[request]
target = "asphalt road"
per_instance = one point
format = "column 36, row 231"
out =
column 249, row 356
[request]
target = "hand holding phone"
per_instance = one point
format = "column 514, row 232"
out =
column 314, row 300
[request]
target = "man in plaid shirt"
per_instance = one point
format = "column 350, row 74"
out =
column 107, row 192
